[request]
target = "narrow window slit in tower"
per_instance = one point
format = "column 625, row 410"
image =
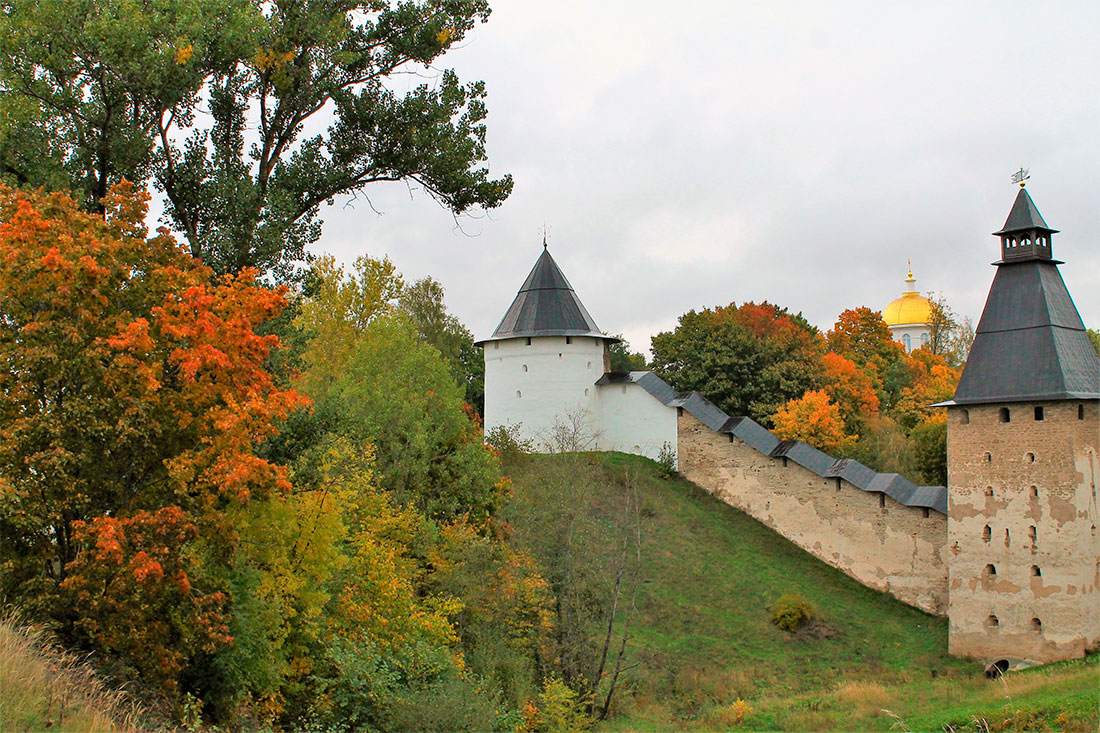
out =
column 1036, row 572
column 964, row 417
column 927, row 512
column 1080, row 412
column 882, row 500
column 1006, row 416
column 987, row 533
column 1038, row 412
column 1006, row 538
column 1036, row 626
column 992, row 622
column 528, row 340
column 990, row 571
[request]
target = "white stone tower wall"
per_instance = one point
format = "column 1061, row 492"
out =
column 538, row 384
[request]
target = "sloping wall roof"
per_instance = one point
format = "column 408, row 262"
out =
column 762, row 440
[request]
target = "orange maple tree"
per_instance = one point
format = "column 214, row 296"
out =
column 851, row 389
column 133, row 397
column 815, row 419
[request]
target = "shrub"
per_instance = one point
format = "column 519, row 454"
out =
column 792, row 610
column 508, row 441
column 666, row 461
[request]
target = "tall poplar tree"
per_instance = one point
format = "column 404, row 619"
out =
column 211, row 101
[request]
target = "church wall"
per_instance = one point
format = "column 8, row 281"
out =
column 914, row 331
column 876, row 540
column 632, row 421
column 542, row 383
column 1033, row 484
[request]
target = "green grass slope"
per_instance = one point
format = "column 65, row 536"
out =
column 44, row 688
column 701, row 638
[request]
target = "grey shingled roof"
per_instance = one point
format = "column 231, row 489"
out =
column 763, row 441
column 1030, row 343
column 545, row 306
column 1024, row 216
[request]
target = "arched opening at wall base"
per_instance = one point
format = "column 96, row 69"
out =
column 996, row 669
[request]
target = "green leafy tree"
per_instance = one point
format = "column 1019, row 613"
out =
column 929, row 440
column 397, row 392
column 959, row 348
column 943, row 327
column 336, row 312
column 423, row 301
column 623, row 359
column 749, row 359
column 88, row 83
column 1094, row 337
column 109, row 89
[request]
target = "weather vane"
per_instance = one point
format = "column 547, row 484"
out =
column 544, row 231
column 1021, row 176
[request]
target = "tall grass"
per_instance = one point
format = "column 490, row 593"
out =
column 43, row 687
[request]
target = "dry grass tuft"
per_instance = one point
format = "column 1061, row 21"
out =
column 46, row 688
column 863, row 696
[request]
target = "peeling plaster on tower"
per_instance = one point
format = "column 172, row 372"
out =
column 1022, row 435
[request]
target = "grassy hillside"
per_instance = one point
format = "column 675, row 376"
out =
column 701, row 638
column 44, row 688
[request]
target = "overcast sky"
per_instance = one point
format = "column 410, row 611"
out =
column 689, row 155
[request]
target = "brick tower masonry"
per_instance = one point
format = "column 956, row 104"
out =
column 1023, row 430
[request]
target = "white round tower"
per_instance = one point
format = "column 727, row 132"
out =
column 542, row 363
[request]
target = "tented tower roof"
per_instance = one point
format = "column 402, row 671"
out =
column 546, row 305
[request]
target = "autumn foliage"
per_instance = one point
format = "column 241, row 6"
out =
column 133, row 399
column 748, row 359
column 814, row 419
column 133, row 593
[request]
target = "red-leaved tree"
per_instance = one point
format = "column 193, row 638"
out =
column 132, row 398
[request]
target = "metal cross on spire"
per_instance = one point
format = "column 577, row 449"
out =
column 1021, row 176
column 544, row 231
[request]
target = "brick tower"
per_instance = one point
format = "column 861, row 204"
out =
column 1022, row 438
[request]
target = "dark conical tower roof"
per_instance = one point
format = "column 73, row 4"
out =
column 546, row 306
column 1030, row 343
column 1024, row 216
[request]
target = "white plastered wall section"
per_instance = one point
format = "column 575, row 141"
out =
column 633, row 421
column 537, row 385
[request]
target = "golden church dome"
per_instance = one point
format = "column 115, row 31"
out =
column 910, row 308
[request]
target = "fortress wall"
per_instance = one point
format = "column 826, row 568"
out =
column 633, row 422
column 877, row 541
column 1034, row 485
